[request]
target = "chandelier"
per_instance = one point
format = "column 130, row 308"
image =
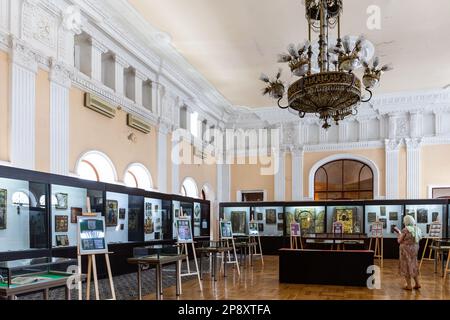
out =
column 327, row 85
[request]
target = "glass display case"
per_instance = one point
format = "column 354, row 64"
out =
column 351, row 217
column 23, row 215
column 390, row 215
column 197, row 219
column 311, row 219
column 239, row 217
column 176, row 207
column 33, row 271
column 116, row 218
column 153, row 214
column 425, row 215
column 270, row 221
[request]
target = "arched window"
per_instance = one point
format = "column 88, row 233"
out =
column 207, row 192
column 96, row 166
column 344, row 180
column 137, row 176
column 189, row 188
column 20, row 198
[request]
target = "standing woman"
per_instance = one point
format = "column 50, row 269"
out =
column 409, row 239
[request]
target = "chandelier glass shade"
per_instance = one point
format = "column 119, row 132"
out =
column 333, row 91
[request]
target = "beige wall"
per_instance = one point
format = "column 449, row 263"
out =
column 248, row 177
column 435, row 167
column 92, row 131
column 42, row 121
column 376, row 155
column 4, row 102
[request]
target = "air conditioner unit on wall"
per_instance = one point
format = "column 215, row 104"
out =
column 138, row 124
column 96, row 104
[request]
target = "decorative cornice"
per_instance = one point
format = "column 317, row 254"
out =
column 344, row 146
column 393, row 145
column 141, row 75
column 99, row 45
column 23, row 55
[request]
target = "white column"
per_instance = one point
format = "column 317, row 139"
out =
column 23, row 106
column 392, row 169
column 297, row 174
column 392, row 128
column 155, row 97
column 121, row 65
column 175, row 162
column 96, row 63
column 60, row 84
column 438, row 123
column 138, row 82
column 364, row 130
column 343, row 131
column 413, row 175
column 280, row 176
column 4, row 14
column 224, row 182
column 163, row 131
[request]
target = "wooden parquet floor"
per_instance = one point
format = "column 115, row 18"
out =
column 261, row 283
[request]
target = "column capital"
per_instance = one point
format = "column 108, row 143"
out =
column 164, row 126
column 393, row 145
column 60, row 73
column 140, row 75
column 413, row 143
column 23, row 55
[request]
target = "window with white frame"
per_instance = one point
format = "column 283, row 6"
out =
column 108, row 70
column 137, row 176
column 96, row 166
column 189, row 188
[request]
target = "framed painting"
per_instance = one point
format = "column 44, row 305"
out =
column 271, row 216
column 61, row 201
column 239, row 222
column 393, row 216
column 62, row 240
column 112, row 213
column 122, row 213
column 75, row 213
column 61, row 223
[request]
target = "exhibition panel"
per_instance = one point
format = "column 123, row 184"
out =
column 39, row 211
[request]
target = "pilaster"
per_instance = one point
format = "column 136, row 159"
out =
column 413, row 176
column 297, row 173
column 392, row 168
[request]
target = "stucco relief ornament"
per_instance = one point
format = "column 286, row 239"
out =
column 72, row 19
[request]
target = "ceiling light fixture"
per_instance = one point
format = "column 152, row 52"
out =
column 333, row 92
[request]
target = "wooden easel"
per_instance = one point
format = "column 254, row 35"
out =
column 377, row 234
column 233, row 246
column 92, row 266
column 183, row 248
column 435, row 234
column 258, row 248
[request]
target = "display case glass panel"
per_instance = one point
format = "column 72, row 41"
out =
column 153, row 214
column 270, row 221
column 390, row 215
column 176, row 210
column 425, row 215
column 68, row 203
column 239, row 217
column 116, row 217
column 206, row 218
column 350, row 216
column 23, row 218
column 311, row 219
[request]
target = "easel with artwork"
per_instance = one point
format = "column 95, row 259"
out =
column 226, row 234
column 185, row 240
column 376, row 234
column 254, row 237
column 296, row 236
column 92, row 242
column 434, row 234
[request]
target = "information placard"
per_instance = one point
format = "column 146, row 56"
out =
column 184, row 230
column 253, row 229
column 435, row 230
column 91, row 236
column 226, row 230
column 338, row 227
column 376, row 230
column 295, row 230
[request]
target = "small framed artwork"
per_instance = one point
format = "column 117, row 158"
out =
column 122, row 213
column 261, row 227
column 280, row 227
column 112, row 213
column 393, row 226
column 157, row 236
column 3, row 208
column 122, row 227
column 62, row 240
column 422, row 216
column 271, row 216
column 75, row 213
column 435, row 217
column 383, row 211
column 177, row 213
column 259, row 216
column 61, row 223
column 393, row 216
column 61, row 201
column 384, row 222
column 371, row 217
column 280, row 215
